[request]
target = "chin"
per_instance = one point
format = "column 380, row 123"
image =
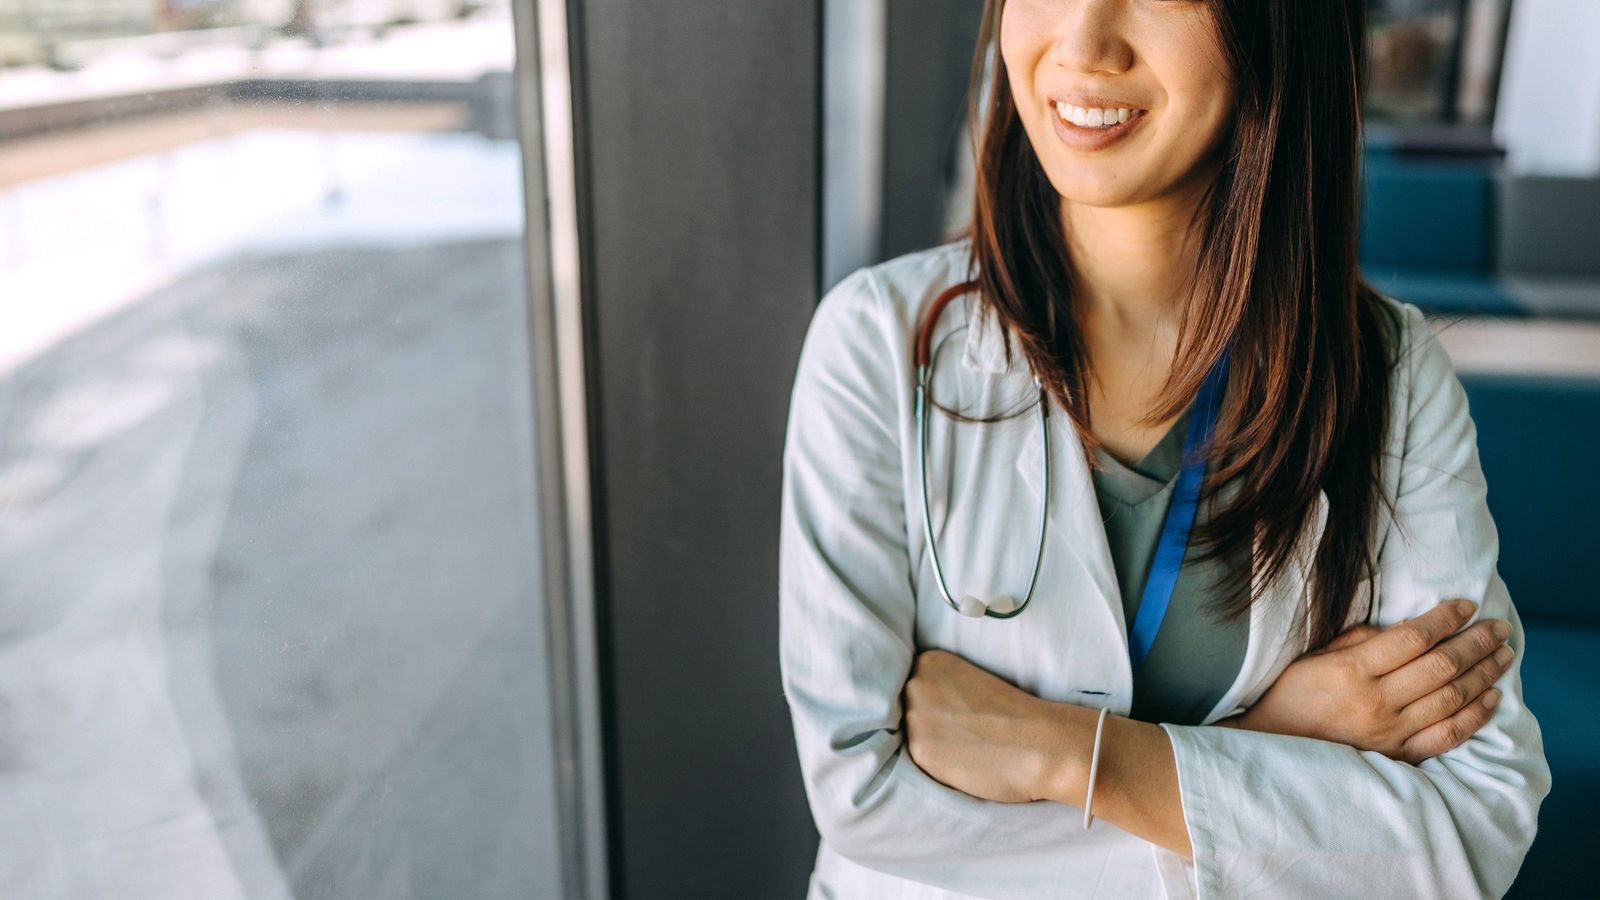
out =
column 1080, row 188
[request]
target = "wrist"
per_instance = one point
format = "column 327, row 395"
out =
column 1064, row 760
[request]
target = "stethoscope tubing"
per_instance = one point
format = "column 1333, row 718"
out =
column 924, row 374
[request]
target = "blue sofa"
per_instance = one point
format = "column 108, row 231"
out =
column 1536, row 438
column 1453, row 232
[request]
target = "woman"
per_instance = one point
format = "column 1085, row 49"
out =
column 1165, row 198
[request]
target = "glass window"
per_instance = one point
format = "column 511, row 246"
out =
column 271, row 621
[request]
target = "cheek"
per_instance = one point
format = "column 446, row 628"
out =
column 1199, row 86
column 1021, row 46
column 1197, row 106
column 1214, row 112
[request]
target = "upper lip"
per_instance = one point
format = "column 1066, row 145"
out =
column 1093, row 102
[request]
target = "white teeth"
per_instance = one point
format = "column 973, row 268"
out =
column 1093, row 118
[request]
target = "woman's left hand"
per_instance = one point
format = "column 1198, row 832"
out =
column 975, row 732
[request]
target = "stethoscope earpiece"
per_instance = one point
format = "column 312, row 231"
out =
column 977, row 609
column 972, row 606
column 1004, row 604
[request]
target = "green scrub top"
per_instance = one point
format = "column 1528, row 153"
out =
column 1196, row 655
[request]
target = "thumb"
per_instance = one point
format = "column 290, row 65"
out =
column 1352, row 636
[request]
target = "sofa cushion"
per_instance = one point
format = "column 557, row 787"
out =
column 1449, row 293
column 1538, row 438
column 1428, row 214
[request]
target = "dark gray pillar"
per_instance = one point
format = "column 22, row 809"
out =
column 698, row 164
column 930, row 44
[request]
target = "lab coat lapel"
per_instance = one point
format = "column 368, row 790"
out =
column 1073, row 514
column 1276, row 639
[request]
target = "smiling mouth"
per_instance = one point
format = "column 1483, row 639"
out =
column 1104, row 117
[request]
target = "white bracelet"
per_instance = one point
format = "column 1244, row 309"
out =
column 1094, row 769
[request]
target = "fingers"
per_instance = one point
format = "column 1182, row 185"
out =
column 1400, row 644
column 1352, row 636
column 1444, row 663
column 1452, row 732
column 1448, row 700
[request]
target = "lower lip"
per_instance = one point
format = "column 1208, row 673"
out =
column 1091, row 139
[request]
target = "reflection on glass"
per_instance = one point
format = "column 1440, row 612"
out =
column 269, row 611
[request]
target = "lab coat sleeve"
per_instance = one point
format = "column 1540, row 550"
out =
column 846, row 639
column 1276, row 816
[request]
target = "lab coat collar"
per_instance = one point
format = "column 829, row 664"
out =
column 985, row 349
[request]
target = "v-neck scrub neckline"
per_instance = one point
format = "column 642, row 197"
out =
column 1155, row 470
column 1196, row 656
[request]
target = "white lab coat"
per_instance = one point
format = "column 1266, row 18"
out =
column 1268, row 815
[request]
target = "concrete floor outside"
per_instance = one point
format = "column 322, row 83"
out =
column 270, row 616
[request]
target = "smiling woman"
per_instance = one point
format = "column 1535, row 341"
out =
column 1331, row 705
column 1069, row 64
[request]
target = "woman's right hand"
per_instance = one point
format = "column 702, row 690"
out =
column 1409, row 691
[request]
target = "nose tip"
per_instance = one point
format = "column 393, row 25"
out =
column 1093, row 40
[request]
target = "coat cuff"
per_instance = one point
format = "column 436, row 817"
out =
column 1195, row 762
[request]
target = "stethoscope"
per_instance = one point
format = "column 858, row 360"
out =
column 1174, row 540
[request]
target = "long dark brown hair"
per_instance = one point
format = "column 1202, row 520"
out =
column 1312, row 344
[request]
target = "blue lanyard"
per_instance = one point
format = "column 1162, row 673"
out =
column 1174, row 541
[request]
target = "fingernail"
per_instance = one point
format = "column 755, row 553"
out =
column 1466, row 608
column 1491, row 698
column 1503, row 655
column 1502, row 629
